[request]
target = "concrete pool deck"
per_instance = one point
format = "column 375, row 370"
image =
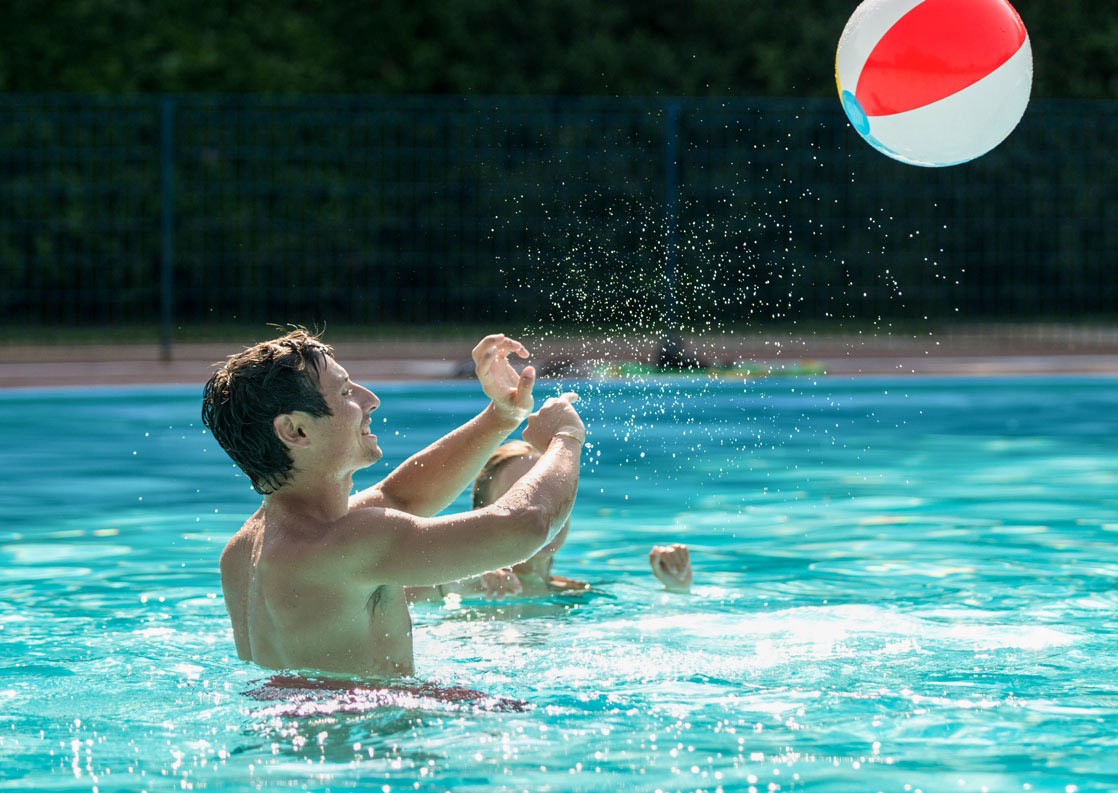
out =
column 1023, row 350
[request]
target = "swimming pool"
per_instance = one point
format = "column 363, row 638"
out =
column 901, row 585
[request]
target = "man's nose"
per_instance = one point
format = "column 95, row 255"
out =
column 373, row 400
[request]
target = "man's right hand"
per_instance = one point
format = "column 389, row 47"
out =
column 511, row 392
column 557, row 415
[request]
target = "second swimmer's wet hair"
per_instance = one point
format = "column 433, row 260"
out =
column 482, row 497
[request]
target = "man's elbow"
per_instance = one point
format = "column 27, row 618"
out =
column 531, row 527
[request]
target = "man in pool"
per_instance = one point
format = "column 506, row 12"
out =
column 315, row 578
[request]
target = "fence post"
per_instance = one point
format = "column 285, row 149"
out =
column 167, row 258
column 671, row 207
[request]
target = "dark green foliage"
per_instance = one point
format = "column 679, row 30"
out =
column 566, row 47
column 318, row 176
column 449, row 209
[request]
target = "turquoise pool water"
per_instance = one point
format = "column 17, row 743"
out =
column 901, row 585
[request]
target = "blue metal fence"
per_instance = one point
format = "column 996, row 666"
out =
column 187, row 210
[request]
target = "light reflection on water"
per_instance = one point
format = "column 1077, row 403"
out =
column 925, row 595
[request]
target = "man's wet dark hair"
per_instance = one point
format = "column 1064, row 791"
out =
column 243, row 398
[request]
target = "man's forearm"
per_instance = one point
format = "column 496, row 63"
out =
column 428, row 481
column 551, row 484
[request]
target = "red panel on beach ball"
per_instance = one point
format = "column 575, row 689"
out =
column 931, row 53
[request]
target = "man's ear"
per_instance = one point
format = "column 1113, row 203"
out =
column 289, row 429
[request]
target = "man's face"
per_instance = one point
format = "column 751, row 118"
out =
column 347, row 431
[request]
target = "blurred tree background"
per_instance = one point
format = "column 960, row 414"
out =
column 521, row 47
column 406, row 161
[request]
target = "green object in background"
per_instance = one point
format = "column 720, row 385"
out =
column 753, row 369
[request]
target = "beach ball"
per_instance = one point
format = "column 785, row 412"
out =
column 934, row 82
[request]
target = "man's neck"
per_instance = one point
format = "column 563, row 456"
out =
column 317, row 499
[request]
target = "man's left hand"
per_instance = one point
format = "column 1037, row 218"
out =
column 511, row 392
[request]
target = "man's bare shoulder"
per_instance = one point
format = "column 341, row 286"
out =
column 294, row 546
column 264, row 543
column 238, row 551
column 363, row 530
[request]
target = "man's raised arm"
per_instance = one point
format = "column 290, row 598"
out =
column 407, row 550
column 428, row 481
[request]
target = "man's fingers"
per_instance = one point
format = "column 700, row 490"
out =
column 519, row 348
column 506, row 345
column 568, row 397
column 494, row 348
column 521, row 394
column 498, row 344
column 488, row 341
column 486, row 344
column 524, row 385
column 484, row 360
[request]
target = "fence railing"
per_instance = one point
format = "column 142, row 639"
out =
column 174, row 210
